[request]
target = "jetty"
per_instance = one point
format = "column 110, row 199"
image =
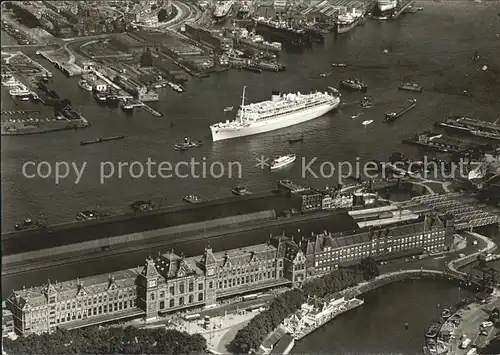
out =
column 70, row 69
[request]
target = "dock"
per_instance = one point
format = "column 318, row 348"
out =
column 151, row 110
column 402, row 6
column 70, row 69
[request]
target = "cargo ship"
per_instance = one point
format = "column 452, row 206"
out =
column 283, row 32
column 279, row 112
column 394, row 115
column 222, row 9
column 258, row 42
column 346, row 22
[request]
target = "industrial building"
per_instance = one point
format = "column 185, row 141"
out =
column 171, row 282
column 214, row 40
column 127, row 44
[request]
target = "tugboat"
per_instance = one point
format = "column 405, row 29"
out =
column 366, row 103
column 411, row 87
column 192, row 199
column 353, row 84
column 28, row 223
column 187, row 143
column 240, row 191
column 142, row 206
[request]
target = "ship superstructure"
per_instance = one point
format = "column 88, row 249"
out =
column 279, row 112
column 387, row 5
column 222, row 9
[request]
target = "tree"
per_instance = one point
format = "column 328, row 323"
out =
column 162, row 15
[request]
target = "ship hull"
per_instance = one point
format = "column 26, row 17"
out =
column 282, row 34
column 219, row 134
column 344, row 28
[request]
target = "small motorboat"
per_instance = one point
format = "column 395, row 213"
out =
column 187, row 143
column 228, row 108
column 367, row 122
column 339, row 65
column 240, row 191
column 356, row 116
column 325, row 74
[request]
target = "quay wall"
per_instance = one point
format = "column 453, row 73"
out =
column 78, row 232
column 164, row 233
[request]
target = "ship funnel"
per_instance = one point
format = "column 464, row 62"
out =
column 275, row 96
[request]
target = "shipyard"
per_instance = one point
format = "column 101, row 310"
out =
column 349, row 185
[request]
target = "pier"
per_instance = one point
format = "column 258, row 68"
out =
column 70, row 69
column 402, row 6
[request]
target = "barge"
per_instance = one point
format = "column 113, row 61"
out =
column 393, row 116
column 100, row 140
column 437, row 142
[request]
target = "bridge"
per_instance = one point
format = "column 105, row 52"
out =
column 467, row 213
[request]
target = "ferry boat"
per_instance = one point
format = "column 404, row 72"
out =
column 222, row 9
column 279, row 112
column 353, row 84
column 283, row 161
column 411, row 87
column 175, row 86
column 240, row 191
column 19, row 90
column 85, row 85
column 192, row 199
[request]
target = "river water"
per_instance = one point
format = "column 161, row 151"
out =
column 378, row 326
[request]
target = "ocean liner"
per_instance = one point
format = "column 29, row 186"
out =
column 222, row 9
column 279, row 112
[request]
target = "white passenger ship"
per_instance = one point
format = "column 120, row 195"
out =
column 283, row 161
column 279, row 112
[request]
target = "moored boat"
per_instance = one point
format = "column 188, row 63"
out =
column 85, row 85
column 28, row 223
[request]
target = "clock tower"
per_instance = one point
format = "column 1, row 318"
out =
column 147, row 289
column 209, row 265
